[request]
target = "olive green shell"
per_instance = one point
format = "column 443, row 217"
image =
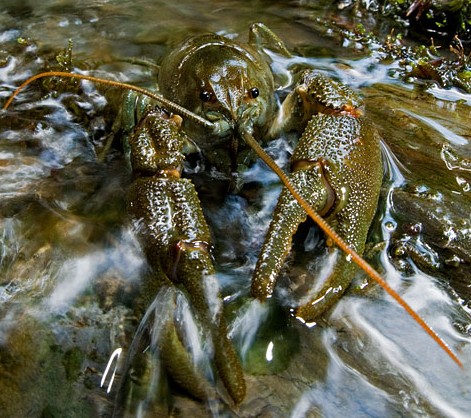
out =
column 347, row 150
column 228, row 71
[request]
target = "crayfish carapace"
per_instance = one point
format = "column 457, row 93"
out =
column 219, row 95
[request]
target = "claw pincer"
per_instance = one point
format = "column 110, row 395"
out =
column 337, row 168
column 176, row 239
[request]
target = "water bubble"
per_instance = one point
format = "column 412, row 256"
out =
column 269, row 353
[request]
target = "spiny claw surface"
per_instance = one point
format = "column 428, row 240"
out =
column 176, row 240
column 286, row 219
column 341, row 156
column 321, row 94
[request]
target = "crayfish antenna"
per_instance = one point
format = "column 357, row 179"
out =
column 250, row 140
column 71, row 75
column 364, row 265
column 167, row 104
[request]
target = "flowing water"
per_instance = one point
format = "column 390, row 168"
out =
column 71, row 266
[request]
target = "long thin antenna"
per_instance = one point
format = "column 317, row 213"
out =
column 250, row 140
column 169, row 105
column 344, row 246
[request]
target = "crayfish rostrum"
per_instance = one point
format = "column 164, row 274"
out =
column 218, row 98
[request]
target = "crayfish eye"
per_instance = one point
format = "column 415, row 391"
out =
column 206, row 96
column 254, row 92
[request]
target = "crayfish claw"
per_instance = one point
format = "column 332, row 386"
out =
column 339, row 174
column 287, row 217
column 332, row 289
column 176, row 241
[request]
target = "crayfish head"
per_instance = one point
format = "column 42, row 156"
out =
column 224, row 82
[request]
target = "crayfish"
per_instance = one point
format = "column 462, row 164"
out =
column 218, row 97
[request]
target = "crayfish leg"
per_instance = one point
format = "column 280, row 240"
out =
column 261, row 35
